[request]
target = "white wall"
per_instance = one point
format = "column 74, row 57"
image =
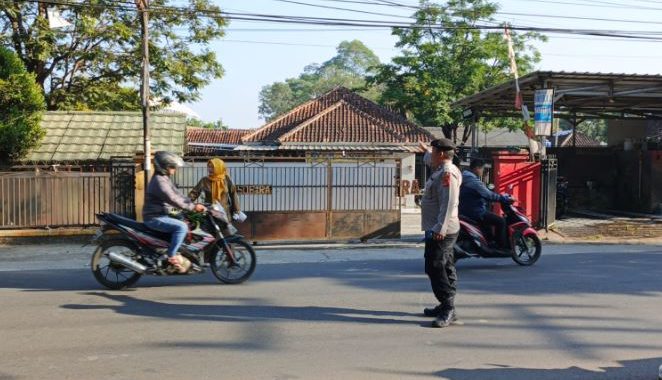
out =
column 409, row 174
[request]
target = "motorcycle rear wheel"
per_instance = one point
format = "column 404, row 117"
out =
column 527, row 250
column 238, row 272
column 112, row 275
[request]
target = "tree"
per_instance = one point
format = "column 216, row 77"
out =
column 446, row 58
column 595, row 129
column 197, row 123
column 349, row 67
column 21, row 107
column 97, row 61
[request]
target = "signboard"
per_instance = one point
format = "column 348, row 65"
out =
column 544, row 112
column 255, row 189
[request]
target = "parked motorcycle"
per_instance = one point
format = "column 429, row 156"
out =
column 524, row 248
column 128, row 249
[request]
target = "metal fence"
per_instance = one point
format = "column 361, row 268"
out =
column 316, row 199
column 52, row 199
column 122, row 188
column 301, row 186
column 548, row 191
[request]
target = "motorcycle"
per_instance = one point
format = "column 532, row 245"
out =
column 127, row 249
column 524, row 247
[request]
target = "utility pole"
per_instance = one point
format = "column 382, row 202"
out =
column 143, row 7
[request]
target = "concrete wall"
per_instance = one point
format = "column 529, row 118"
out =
column 409, row 174
column 619, row 130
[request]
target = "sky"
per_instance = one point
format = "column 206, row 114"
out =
column 253, row 58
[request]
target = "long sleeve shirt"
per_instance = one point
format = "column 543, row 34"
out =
column 439, row 206
column 474, row 196
column 231, row 201
column 162, row 196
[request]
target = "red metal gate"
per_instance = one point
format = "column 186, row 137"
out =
column 515, row 174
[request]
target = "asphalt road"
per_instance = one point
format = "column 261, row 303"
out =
column 583, row 312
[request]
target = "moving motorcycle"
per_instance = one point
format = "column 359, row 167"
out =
column 128, row 249
column 524, row 247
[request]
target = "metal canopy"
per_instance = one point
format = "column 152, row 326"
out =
column 583, row 95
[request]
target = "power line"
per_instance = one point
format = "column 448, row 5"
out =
column 342, row 9
column 581, row 18
column 325, row 21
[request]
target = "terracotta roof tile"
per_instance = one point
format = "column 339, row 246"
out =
column 582, row 140
column 339, row 116
column 215, row 136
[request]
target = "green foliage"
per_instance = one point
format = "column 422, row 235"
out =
column 101, row 97
column 96, row 63
column 21, row 107
column 197, row 123
column 447, row 59
column 593, row 128
column 348, row 68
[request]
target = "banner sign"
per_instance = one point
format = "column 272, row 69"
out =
column 544, row 112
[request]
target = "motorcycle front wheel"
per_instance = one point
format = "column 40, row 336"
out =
column 229, row 272
column 527, row 250
column 110, row 274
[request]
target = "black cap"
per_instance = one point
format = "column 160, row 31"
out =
column 443, row 144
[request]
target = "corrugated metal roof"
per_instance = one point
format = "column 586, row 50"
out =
column 93, row 136
column 616, row 95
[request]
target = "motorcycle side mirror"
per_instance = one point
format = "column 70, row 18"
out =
column 491, row 186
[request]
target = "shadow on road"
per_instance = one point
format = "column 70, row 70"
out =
column 630, row 369
column 636, row 273
column 251, row 311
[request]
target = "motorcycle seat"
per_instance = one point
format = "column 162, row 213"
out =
column 118, row 219
column 469, row 220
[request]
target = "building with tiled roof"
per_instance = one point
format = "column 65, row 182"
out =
column 204, row 141
column 76, row 136
column 339, row 120
column 565, row 139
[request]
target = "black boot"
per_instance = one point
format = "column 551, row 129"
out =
column 433, row 311
column 445, row 318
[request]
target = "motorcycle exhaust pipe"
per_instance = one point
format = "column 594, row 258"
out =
column 127, row 262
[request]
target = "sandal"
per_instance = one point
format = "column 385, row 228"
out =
column 178, row 263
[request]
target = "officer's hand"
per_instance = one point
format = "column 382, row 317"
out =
column 438, row 237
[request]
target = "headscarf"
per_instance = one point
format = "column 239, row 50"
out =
column 219, row 187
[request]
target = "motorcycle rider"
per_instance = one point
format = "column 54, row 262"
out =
column 474, row 198
column 162, row 196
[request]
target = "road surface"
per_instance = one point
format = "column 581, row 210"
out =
column 582, row 312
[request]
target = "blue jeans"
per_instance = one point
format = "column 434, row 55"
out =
column 177, row 228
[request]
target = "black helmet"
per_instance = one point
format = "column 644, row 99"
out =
column 165, row 160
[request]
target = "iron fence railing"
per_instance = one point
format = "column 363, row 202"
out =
column 301, row 186
column 52, row 199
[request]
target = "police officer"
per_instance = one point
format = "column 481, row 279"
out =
column 440, row 221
